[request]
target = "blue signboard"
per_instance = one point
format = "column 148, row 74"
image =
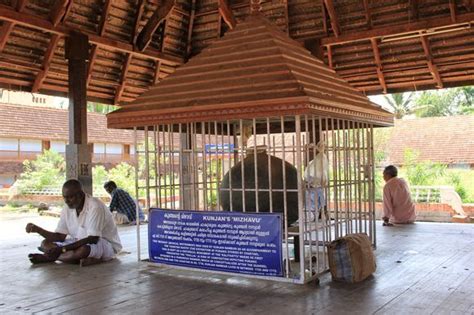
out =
column 247, row 243
column 219, row 148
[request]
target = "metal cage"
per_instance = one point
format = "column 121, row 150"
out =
column 182, row 167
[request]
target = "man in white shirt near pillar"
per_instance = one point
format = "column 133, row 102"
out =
column 86, row 232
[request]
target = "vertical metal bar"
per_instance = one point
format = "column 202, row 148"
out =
column 254, row 124
column 324, row 232
column 372, row 195
column 270, row 184
column 231, row 155
column 181, row 178
column 147, row 171
column 156, row 165
column 218, row 159
column 172, row 150
column 204, row 165
column 137, row 208
column 302, row 230
column 359, row 179
column 241, row 149
column 364, row 194
column 285, row 206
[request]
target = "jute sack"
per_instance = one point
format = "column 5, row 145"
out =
column 351, row 258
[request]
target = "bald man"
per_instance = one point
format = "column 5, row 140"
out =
column 86, row 232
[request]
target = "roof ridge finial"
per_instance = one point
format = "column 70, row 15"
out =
column 256, row 7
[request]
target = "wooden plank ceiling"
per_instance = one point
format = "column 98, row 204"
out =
column 377, row 46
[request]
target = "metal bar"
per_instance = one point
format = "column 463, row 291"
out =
column 147, row 172
column 254, row 124
column 241, row 149
column 171, row 164
column 230, row 167
column 301, row 215
column 270, row 184
column 158, row 159
column 204, row 165
column 181, row 178
column 285, row 206
column 137, row 208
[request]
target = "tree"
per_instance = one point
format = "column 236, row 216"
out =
column 401, row 104
column 47, row 170
column 448, row 102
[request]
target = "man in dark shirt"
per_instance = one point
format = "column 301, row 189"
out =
column 123, row 203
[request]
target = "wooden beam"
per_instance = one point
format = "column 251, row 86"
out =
column 413, row 10
column 59, row 11
column 418, row 26
column 190, row 30
column 19, row 5
column 38, row 23
column 287, row 17
column 104, row 17
column 48, row 56
column 219, row 26
column 324, row 18
column 330, row 62
column 161, row 13
column 123, row 78
column 138, row 18
column 156, row 77
column 90, row 66
column 368, row 17
column 226, row 12
column 5, row 31
column 378, row 63
column 332, row 16
column 452, row 10
column 433, row 69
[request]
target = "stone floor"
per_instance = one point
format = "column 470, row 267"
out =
column 425, row 268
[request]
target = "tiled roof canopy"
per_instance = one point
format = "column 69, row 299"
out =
column 255, row 70
column 439, row 139
column 29, row 122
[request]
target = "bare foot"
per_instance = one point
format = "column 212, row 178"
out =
column 89, row 261
column 39, row 259
column 387, row 224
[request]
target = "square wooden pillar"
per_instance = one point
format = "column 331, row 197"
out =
column 78, row 152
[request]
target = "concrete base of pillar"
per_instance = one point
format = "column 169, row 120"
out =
column 79, row 165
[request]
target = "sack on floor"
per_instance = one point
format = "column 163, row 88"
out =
column 351, row 258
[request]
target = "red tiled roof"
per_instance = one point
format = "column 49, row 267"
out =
column 439, row 139
column 30, row 122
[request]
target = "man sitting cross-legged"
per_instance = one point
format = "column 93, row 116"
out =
column 86, row 232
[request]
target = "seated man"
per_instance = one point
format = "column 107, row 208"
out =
column 86, row 232
column 397, row 204
column 123, row 204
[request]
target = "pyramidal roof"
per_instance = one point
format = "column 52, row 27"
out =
column 255, row 70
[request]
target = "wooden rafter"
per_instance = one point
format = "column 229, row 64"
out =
column 59, row 11
column 330, row 61
column 452, row 10
column 138, row 18
column 368, row 17
column 5, row 30
column 469, row 5
column 414, row 9
column 190, row 29
column 332, row 16
column 92, row 57
column 226, row 12
column 378, row 63
column 324, row 18
column 156, row 77
column 19, row 5
column 219, row 26
column 418, row 26
column 433, row 69
column 38, row 23
column 161, row 13
column 48, row 56
column 287, row 16
column 104, row 17
column 123, row 78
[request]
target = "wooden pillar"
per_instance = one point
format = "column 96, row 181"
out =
column 78, row 152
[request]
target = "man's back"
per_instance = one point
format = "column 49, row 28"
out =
column 124, row 203
column 397, row 202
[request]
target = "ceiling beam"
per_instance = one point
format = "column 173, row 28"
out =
column 226, row 12
column 452, row 10
column 190, row 29
column 330, row 61
column 156, row 77
column 333, row 17
column 59, row 11
column 104, row 17
column 19, row 5
column 419, row 25
column 378, row 63
column 324, row 18
column 433, row 69
column 138, row 18
column 48, row 56
column 368, row 17
column 161, row 13
column 123, row 77
column 413, row 5
column 5, row 30
column 38, row 23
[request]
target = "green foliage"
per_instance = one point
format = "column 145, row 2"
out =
column 124, row 176
column 421, row 173
column 47, row 170
column 99, row 177
column 448, row 102
column 100, row 108
column 400, row 103
column 455, row 180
